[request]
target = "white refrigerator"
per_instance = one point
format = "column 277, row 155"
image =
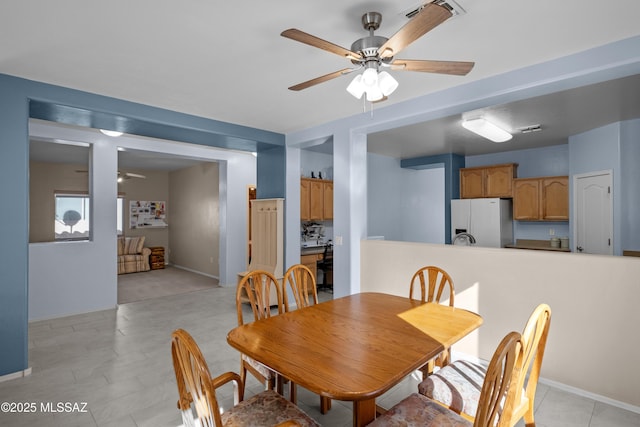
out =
column 489, row 221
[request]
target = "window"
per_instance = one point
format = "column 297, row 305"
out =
column 58, row 182
column 72, row 216
column 72, row 221
column 120, row 214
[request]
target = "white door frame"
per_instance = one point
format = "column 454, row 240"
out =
column 574, row 213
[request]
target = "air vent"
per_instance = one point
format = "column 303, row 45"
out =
column 453, row 7
column 531, row 128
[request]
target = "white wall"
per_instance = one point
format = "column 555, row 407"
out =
column 592, row 345
column 195, row 218
column 76, row 277
column 404, row 204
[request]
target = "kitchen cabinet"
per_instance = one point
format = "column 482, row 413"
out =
column 311, row 261
column 316, row 199
column 305, row 188
column 555, row 198
column 541, row 199
column 327, row 195
column 487, row 181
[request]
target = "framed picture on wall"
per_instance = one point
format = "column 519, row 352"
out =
column 147, row 214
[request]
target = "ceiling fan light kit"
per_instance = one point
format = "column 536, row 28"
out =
column 486, row 129
column 374, row 52
column 112, row 133
column 375, row 85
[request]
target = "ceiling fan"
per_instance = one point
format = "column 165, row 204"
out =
column 121, row 176
column 373, row 52
column 129, row 175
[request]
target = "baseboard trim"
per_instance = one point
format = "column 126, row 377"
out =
column 195, row 271
column 560, row 386
column 594, row 396
column 15, row 375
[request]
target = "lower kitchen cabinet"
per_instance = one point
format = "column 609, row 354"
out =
column 311, row 261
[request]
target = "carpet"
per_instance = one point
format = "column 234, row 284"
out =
column 160, row 283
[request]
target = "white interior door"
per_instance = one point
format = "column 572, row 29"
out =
column 594, row 213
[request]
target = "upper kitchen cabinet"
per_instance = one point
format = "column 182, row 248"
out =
column 305, row 191
column 541, row 199
column 526, row 199
column 327, row 196
column 555, row 198
column 316, row 199
column 487, row 181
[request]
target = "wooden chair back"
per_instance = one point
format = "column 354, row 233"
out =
column 497, row 397
column 195, row 385
column 433, row 281
column 255, row 287
column 534, row 340
column 299, row 278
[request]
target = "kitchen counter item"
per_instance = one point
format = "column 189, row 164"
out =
column 541, row 245
column 312, row 250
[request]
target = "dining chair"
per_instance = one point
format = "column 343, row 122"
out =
column 326, row 265
column 197, row 391
column 434, row 284
column 496, row 399
column 455, row 385
column 300, row 280
column 255, row 289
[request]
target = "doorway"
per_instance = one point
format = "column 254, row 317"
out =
column 593, row 213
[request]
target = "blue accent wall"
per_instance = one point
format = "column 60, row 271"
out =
column 19, row 99
column 14, row 190
column 271, row 173
column 544, row 161
column 599, row 150
column 452, row 164
column 630, row 191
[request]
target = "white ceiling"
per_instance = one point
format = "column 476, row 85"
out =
column 227, row 61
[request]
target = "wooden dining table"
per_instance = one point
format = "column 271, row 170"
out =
column 354, row 348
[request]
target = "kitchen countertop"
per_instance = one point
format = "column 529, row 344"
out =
column 540, row 245
column 312, row 250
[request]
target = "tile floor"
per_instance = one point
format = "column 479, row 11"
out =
column 118, row 362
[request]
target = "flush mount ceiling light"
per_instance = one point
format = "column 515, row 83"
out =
column 113, row 133
column 487, row 130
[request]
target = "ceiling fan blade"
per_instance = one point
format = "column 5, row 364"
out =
column 424, row 21
column 321, row 79
column 314, row 41
column 133, row 175
column 458, row 68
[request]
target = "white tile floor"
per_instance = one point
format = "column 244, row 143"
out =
column 119, row 363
